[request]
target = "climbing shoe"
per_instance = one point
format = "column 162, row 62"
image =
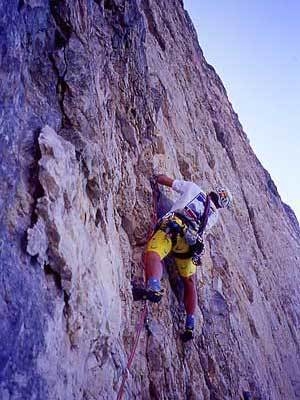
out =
column 247, row 395
column 154, row 295
column 142, row 293
column 154, row 292
column 188, row 334
column 139, row 293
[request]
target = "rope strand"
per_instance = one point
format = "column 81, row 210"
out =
column 144, row 313
column 132, row 353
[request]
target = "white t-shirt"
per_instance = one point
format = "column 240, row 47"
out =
column 193, row 197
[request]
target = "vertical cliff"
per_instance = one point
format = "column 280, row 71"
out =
column 96, row 95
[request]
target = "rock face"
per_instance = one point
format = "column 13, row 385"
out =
column 95, row 97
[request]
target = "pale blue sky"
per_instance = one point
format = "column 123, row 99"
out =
column 255, row 48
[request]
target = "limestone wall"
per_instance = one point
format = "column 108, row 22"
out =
column 96, row 96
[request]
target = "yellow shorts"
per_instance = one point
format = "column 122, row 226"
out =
column 161, row 244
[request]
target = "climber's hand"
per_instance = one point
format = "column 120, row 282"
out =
column 153, row 181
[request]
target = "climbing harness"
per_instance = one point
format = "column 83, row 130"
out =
column 170, row 226
column 191, row 229
column 143, row 320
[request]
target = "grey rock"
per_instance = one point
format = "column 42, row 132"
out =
column 95, row 97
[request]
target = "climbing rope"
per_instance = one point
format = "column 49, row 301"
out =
column 143, row 316
column 132, row 353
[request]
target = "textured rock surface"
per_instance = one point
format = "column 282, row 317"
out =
column 95, row 96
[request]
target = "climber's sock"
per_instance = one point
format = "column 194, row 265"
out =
column 190, row 322
column 153, row 284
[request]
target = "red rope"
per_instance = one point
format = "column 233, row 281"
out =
column 144, row 312
column 130, row 359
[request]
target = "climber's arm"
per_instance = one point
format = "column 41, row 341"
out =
column 164, row 180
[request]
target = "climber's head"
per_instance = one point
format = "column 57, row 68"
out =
column 221, row 197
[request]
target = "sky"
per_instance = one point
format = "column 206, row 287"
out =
column 254, row 47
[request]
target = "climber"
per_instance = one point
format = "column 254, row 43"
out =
column 180, row 231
